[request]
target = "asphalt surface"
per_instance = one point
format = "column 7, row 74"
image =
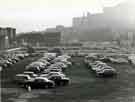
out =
column 84, row 86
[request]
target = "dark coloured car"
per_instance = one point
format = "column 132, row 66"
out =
column 40, row 82
column 58, row 78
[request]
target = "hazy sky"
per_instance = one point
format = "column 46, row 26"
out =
column 30, row 15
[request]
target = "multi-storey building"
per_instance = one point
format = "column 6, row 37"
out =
column 47, row 38
column 102, row 26
column 7, row 37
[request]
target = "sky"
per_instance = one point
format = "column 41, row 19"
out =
column 35, row 15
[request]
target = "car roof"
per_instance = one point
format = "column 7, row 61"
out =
column 28, row 72
column 22, row 75
column 41, row 78
column 54, row 73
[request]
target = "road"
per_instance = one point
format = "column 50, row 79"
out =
column 84, row 86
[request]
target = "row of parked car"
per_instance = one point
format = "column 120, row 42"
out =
column 7, row 60
column 131, row 58
column 46, row 72
column 116, row 59
column 100, row 68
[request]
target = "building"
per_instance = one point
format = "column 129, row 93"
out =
column 102, row 26
column 45, row 38
column 52, row 38
column 7, row 37
column 31, row 38
column 98, row 27
column 68, row 34
column 119, row 17
column 11, row 33
column 125, row 38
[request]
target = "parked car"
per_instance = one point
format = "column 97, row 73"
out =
column 131, row 59
column 54, row 69
column 106, row 71
column 20, row 56
column 1, row 68
column 31, row 74
column 21, row 79
column 105, row 59
column 3, row 63
column 35, row 69
column 102, row 69
column 58, row 78
column 119, row 60
column 40, row 82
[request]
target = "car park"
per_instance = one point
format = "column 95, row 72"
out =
column 9, row 59
column 43, row 73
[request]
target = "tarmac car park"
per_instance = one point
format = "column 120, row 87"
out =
column 83, row 85
column 54, row 72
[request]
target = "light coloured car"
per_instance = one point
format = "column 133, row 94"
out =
column 102, row 69
column 118, row 60
column 35, row 69
column 22, row 78
column 1, row 68
column 31, row 74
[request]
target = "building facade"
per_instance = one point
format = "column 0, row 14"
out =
column 102, row 26
column 47, row 38
column 7, row 37
column 52, row 38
